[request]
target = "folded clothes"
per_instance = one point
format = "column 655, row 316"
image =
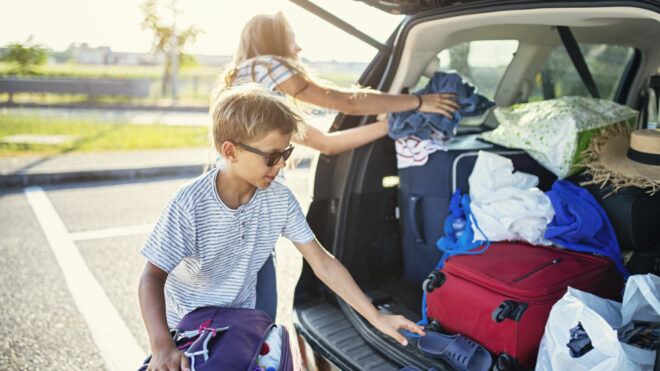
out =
column 644, row 335
column 421, row 124
column 506, row 203
column 412, row 151
column 579, row 343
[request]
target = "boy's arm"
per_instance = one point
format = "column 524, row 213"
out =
column 334, row 274
column 165, row 355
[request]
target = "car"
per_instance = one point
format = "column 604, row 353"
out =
column 356, row 208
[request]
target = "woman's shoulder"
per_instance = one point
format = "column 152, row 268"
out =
column 264, row 61
column 268, row 70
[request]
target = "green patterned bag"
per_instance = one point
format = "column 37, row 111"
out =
column 556, row 131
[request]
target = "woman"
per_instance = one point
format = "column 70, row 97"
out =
column 268, row 54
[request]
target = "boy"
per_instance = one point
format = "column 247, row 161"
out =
column 217, row 231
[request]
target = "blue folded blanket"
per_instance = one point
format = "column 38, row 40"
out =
column 420, row 124
column 580, row 223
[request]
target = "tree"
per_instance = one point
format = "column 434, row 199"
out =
column 458, row 59
column 168, row 39
column 25, row 56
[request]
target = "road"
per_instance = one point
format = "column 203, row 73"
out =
column 71, row 269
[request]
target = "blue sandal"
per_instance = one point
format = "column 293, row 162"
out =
column 460, row 352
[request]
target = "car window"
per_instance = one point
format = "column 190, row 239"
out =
column 482, row 63
column 558, row 77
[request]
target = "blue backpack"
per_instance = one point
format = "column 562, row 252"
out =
column 218, row 338
column 456, row 241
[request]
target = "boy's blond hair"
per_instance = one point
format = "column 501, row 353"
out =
column 249, row 112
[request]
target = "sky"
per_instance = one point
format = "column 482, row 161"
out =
column 116, row 23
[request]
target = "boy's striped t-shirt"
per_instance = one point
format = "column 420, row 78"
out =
column 264, row 70
column 212, row 253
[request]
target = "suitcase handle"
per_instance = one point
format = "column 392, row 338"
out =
column 412, row 214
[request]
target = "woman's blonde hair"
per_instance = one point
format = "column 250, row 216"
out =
column 248, row 112
column 264, row 34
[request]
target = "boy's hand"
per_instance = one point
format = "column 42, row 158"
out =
column 390, row 324
column 168, row 359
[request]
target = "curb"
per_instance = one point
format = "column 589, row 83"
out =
column 26, row 180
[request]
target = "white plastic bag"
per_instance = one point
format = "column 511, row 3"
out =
column 506, row 204
column 600, row 319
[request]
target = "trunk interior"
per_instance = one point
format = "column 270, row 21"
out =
column 371, row 246
column 357, row 199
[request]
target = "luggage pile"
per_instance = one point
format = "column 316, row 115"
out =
column 497, row 293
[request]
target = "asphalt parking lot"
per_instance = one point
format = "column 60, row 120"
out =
column 69, row 287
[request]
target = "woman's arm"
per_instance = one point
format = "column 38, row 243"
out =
column 343, row 140
column 368, row 102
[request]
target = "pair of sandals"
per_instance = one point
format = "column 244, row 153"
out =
column 461, row 353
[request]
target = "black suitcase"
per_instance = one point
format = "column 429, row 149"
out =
column 425, row 192
column 634, row 214
column 645, row 261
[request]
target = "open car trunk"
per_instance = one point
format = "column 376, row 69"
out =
column 356, row 212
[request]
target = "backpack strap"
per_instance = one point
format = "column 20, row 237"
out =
column 199, row 345
column 459, row 206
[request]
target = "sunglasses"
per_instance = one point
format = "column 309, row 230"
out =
column 273, row 158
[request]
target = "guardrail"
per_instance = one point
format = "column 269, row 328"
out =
column 134, row 88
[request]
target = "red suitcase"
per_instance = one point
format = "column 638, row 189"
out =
column 502, row 297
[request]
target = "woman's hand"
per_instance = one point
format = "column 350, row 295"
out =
column 442, row 103
column 389, row 325
column 168, row 358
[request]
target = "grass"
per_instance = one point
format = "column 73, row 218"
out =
column 95, row 136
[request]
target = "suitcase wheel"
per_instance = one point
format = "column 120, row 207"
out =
column 433, row 281
column 509, row 309
column 434, row 326
column 505, row 362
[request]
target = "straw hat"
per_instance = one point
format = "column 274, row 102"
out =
column 624, row 159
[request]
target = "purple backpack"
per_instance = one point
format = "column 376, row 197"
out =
column 217, row 338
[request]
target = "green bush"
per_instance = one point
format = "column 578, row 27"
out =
column 25, row 57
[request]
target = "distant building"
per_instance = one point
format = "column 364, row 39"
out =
column 136, row 59
column 83, row 54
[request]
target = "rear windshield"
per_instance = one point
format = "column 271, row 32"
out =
column 558, row 77
column 482, row 63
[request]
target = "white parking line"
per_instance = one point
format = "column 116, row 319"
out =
column 115, row 342
column 111, row 232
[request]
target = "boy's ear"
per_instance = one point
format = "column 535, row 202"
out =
column 229, row 151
